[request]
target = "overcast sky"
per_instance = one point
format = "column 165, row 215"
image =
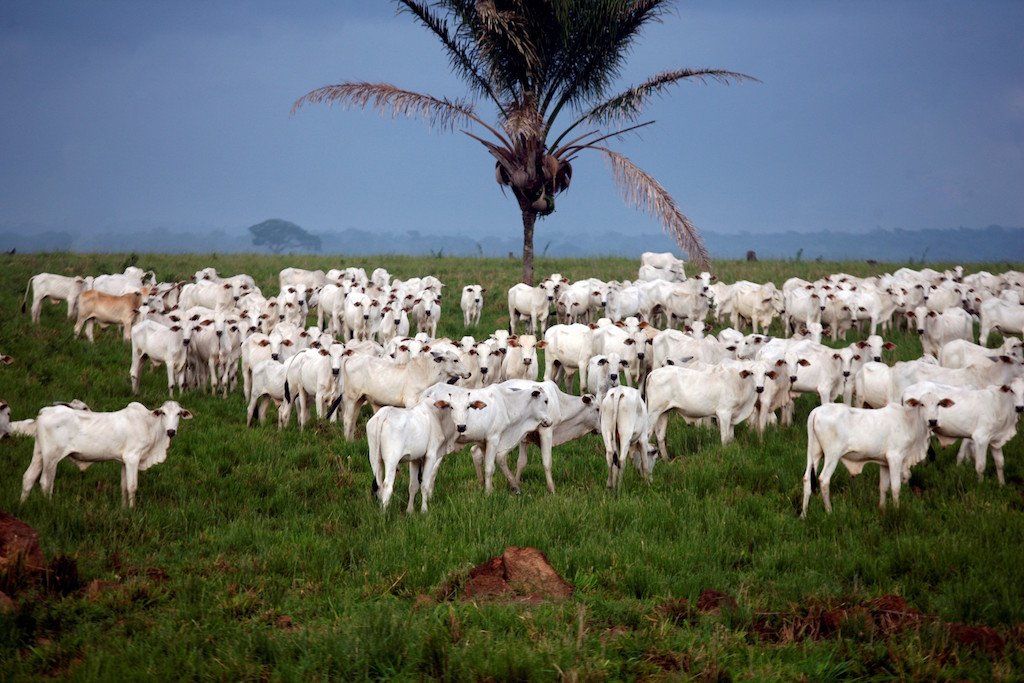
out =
column 869, row 114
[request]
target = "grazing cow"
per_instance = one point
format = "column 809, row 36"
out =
column 268, row 383
column 214, row 295
column 895, row 437
column 571, row 417
column 665, row 261
column 161, row 344
column 936, row 329
column 472, row 304
column 383, row 382
column 625, row 430
column 530, row 302
column 298, row 277
column 136, row 436
column 1002, row 316
column 494, row 419
column 719, row 391
column 569, row 348
column 56, row 288
column 981, row 417
column 417, row 435
column 959, row 353
column 107, row 309
column 1001, row 372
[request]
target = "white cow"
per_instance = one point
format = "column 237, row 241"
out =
column 981, row 417
column 895, row 437
column 959, row 353
column 520, row 358
column 417, row 435
column 136, row 436
column 313, row 373
column 625, row 430
column 604, row 373
column 1002, row 316
column 665, row 261
column 56, row 288
column 213, row 295
column 268, row 381
column 719, row 391
column 472, row 304
column 569, row 348
column 494, row 419
column 298, row 277
column 161, row 344
column 530, row 302
column 936, row 329
column 383, row 382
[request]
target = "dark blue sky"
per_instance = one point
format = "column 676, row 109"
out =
column 869, row 114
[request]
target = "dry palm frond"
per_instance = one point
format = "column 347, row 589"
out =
column 386, row 98
column 576, row 145
column 641, row 191
column 626, row 106
column 524, row 119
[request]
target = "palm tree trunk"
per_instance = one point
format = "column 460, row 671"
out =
column 529, row 218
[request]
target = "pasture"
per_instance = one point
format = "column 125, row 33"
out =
column 255, row 554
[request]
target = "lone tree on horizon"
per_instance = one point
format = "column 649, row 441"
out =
column 277, row 235
column 534, row 60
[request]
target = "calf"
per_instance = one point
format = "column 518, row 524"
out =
column 268, row 382
column 936, row 329
column 604, row 373
column 520, row 358
column 56, row 288
column 136, row 436
column 530, row 302
column 569, row 348
column 981, row 417
column 625, row 430
column 313, row 373
column 472, row 304
column 895, row 437
column 107, row 309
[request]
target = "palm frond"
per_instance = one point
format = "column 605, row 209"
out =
column 444, row 114
column 524, row 120
column 641, row 191
column 460, row 52
column 506, row 29
column 627, row 105
column 575, row 146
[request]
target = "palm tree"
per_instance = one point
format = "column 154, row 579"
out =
column 534, row 60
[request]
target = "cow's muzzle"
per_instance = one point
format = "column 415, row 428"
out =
column 759, row 390
column 933, row 423
column 461, row 429
column 171, row 433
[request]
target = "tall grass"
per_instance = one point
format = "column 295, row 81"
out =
column 254, row 553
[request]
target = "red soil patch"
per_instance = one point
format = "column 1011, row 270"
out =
column 522, row 574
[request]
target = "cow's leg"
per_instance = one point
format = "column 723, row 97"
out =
column 502, row 460
column 609, row 458
column 883, row 485
column 124, row 483
column 415, row 472
column 824, row 479
column 89, row 330
column 895, row 481
column 965, row 451
column 997, row 457
column 545, row 457
column 251, row 410
column 33, row 472
column 48, row 474
column 490, row 457
column 660, row 422
column 521, row 462
column 171, row 377
column 135, row 371
column 351, row 408
column 37, row 308
column 303, row 415
column 725, row 429
column 980, row 455
column 477, row 455
column 431, row 463
column 388, row 486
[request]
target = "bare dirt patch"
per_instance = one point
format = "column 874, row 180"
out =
column 518, row 574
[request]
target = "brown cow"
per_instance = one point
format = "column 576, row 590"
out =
column 107, row 309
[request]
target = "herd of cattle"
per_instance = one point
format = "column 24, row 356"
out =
column 642, row 350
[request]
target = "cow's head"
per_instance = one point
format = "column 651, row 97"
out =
column 168, row 415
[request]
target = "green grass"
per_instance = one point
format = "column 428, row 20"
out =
column 240, row 528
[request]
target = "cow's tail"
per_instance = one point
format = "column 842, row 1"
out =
column 287, row 392
column 334, row 406
column 373, row 434
column 616, row 435
column 24, row 299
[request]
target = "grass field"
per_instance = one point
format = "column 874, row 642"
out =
column 254, row 554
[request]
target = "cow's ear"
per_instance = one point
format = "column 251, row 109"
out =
column 592, row 326
column 804, row 362
column 185, row 415
column 1006, row 359
column 912, row 402
column 630, row 342
column 587, row 399
column 158, row 413
column 426, row 347
column 287, row 342
column 619, row 323
column 513, row 342
column 603, row 361
column 932, row 314
column 535, row 393
column 264, row 342
column 771, row 374
column 888, row 345
column 1005, row 389
column 479, row 405
column 324, row 352
column 174, row 328
column 948, row 402
column 542, row 344
column 745, row 373
column 438, row 358
column 442, row 404
column 780, row 362
column 730, row 348
column 861, row 344
column 349, row 352
column 835, row 356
